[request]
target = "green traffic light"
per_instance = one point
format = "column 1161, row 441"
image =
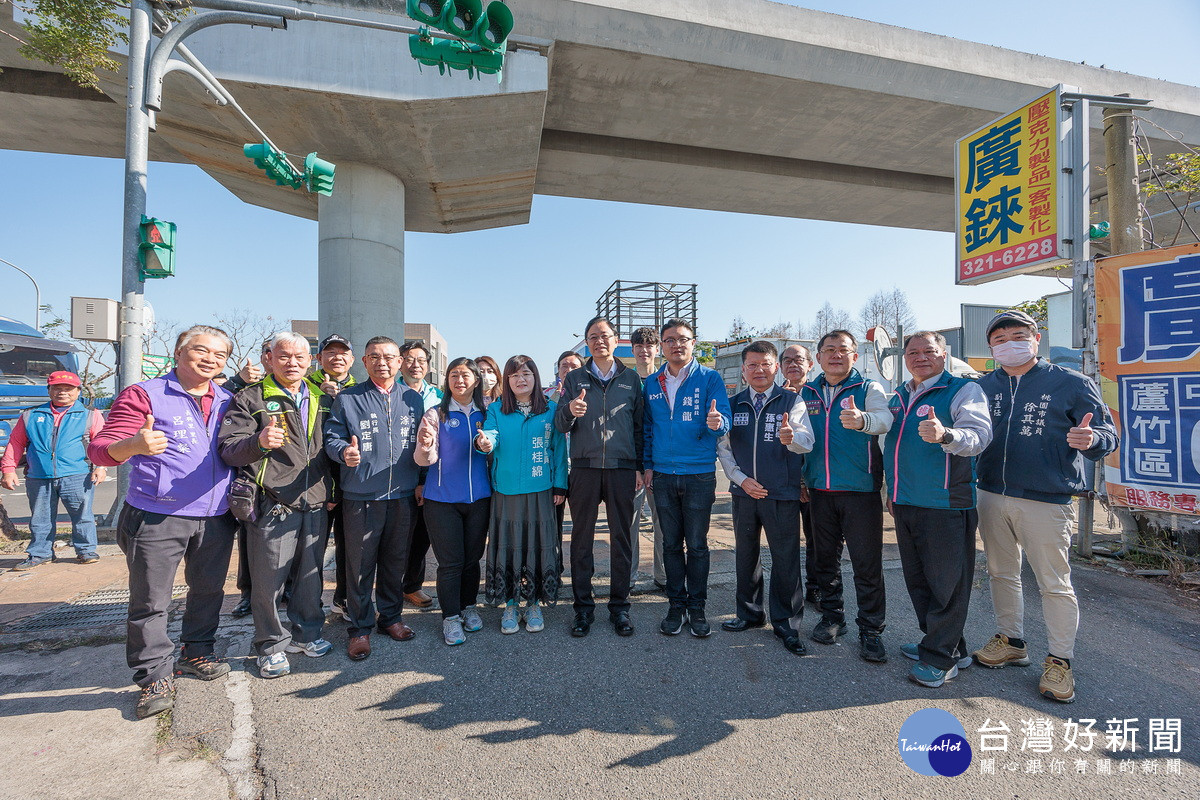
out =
column 498, row 24
column 318, row 175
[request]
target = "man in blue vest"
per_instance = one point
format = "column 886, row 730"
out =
column 941, row 422
column 844, row 473
column 53, row 439
column 1047, row 419
column 762, row 456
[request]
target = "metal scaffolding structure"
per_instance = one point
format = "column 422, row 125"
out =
column 631, row 305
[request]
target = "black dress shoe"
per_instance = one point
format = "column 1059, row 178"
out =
column 241, row 609
column 622, row 625
column 794, row 645
column 583, row 624
column 737, row 625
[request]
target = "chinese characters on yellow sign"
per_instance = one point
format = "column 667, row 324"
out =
column 1007, row 181
column 1148, row 324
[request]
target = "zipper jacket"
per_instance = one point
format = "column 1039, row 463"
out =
column 752, row 448
column 298, row 475
column 529, row 454
column 385, row 424
column 57, row 451
column 921, row 473
column 678, row 440
column 458, row 473
column 842, row 460
column 1029, row 456
column 609, row 435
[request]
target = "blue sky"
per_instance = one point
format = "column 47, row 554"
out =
column 61, row 221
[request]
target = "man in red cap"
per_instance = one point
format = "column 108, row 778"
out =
column 53, row 438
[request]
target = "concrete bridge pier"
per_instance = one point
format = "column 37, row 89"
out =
column 360, row 257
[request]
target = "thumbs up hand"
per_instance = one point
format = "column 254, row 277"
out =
column 931, row 429
column 149, row 442
column 425, row 436
column 714, row 417
column 272, row 437
column 351, row 454
column 482, row 443
column 250, row 373
column 1082, row 437
column 852, row 418
column 786, row 435
column 578, row 406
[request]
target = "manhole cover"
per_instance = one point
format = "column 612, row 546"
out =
column 95, row 610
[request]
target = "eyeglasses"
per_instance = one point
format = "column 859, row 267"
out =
column 789, row 361
column 840, row 351
column 375, row 358
column 601, row 337
column 413, row 360
column 683, row 341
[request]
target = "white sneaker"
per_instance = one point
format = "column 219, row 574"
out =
column 340, row 610
column 313, row 649
column 452, row 630
column 273, row 666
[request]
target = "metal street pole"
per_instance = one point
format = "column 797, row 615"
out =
column 37, row 296
column 137, row 144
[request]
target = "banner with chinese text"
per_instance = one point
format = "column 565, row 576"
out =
column 1148, row 328
column 1007, row 181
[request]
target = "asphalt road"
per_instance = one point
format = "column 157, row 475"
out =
column 734, row 715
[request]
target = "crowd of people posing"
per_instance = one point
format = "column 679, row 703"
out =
column 482, row 469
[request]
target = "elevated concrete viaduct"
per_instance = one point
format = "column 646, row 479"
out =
column 739, row 105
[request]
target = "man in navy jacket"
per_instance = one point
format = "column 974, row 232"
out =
column 1046, row 419
column 765, row 479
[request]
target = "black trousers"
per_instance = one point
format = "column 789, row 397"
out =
column 780, row 519
column 588, row 487
column 856, row 519
column 810, row 560
column 458, row 533
column 414, row 575
column 378, row 534
column 937, row 551
column 243, row 573
column 337, row 524
column 153, row 545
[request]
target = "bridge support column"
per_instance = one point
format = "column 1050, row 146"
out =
column 360, row 257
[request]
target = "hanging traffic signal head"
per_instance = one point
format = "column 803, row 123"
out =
column 318, row 175
column 272, row 162
column 495, row 27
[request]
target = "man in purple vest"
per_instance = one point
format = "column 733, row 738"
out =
column 176, row 508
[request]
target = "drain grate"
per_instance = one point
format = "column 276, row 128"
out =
column 95, row 610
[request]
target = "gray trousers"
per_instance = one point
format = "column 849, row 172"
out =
column 154, row 544
column 640, row 499
column 276, row 544
column 378, row 534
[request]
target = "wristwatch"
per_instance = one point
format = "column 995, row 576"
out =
column 947, row 437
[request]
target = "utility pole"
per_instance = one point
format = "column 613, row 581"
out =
column 1124, row 213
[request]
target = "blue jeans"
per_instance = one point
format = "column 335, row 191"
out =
column 683, row 504
column 75, row 491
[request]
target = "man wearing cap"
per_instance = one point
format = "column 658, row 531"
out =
column 176, row 509
column 335, row 357
column 53, row 439
column 1046, row 419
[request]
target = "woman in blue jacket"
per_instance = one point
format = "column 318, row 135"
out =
column 529, row 478
column 457, row 496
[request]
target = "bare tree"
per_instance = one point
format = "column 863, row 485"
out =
column 739, row 329
column 780, row 330
column 248, row 330
column 828, row 319
column 889, row 309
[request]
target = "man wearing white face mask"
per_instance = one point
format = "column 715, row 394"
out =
column 1045, row 420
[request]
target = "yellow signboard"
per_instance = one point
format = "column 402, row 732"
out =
column 1007, row 181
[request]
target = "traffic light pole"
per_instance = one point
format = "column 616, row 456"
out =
column 137, row 144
